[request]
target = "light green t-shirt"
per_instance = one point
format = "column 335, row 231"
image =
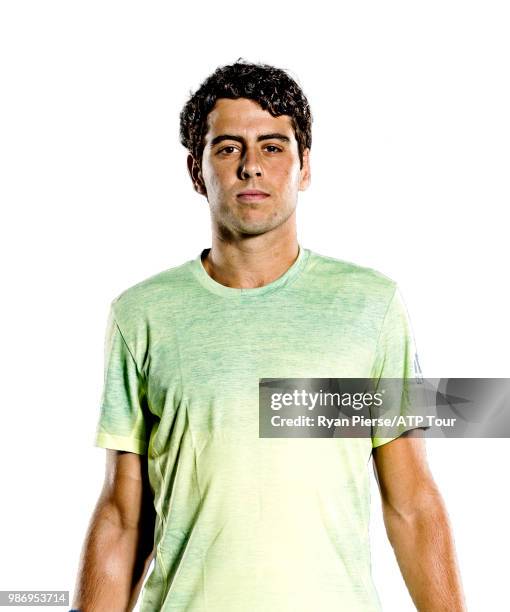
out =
column 250, row 524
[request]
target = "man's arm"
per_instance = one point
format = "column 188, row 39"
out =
column 119, row 543
column 417, row 525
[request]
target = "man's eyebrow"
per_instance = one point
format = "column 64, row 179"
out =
column 274, row 136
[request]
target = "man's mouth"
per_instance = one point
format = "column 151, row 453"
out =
column 252, row 195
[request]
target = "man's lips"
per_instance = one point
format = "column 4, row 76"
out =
column 252, row 195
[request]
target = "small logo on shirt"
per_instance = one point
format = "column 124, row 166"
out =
column 417, row 370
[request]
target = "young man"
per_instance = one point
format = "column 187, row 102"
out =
column 236, row 522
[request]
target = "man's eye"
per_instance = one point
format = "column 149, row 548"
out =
column 229, row 149
column 273, row 148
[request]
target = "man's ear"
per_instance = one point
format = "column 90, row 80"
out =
column 196, row 175
column 305, row 172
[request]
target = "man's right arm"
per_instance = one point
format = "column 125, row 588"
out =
column 119, row 543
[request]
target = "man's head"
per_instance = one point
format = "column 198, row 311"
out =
column 248, row 127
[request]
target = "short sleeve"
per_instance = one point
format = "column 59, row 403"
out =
column 121, row 424
column 396, row 358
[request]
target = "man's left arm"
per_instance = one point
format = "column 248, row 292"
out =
column 417, row 525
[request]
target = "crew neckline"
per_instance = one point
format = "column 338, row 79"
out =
column 214, row 286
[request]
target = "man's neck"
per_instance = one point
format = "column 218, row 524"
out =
column 250, row 263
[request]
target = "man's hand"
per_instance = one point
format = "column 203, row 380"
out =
column 119, row 544
column 417, row 525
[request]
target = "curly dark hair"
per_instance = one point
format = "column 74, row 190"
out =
column 271, row 87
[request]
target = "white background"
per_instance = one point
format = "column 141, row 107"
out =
column 410, row 162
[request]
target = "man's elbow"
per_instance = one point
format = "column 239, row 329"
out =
column 422, row 511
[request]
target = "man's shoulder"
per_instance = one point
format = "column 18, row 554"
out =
column 334, row 272
column 152, row 292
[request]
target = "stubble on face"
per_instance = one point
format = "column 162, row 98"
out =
column 248, row 219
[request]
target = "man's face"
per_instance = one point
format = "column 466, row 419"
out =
column 248, row 149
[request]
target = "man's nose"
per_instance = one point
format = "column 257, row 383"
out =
column 250, row 165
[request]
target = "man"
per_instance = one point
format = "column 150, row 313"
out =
column 234, row 521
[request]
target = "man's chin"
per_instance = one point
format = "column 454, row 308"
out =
column 252, row 226
column 254, row 229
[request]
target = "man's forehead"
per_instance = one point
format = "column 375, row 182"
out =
column 242, row 114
